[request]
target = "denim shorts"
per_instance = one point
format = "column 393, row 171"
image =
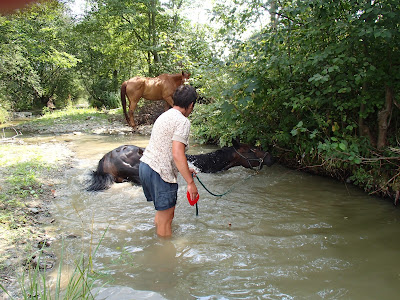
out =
column 163, row 194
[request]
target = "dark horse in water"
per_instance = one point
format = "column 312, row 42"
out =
column 122, row 163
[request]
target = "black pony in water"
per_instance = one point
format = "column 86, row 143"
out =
column 122, row 163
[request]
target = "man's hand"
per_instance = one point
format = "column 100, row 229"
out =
column 193, row 172
column 178, row 153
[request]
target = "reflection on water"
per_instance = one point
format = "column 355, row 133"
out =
column 281, row 234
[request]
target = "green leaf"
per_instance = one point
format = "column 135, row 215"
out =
column 342, row 146
column 227, row 107
column 244, row 101
column 313, row 134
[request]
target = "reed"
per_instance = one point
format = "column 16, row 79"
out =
column 34, row 283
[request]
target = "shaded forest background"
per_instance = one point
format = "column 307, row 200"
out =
column 315, row 81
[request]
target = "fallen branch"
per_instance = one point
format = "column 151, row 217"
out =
column 10, row 139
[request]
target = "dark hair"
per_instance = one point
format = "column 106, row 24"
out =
column 185, row 95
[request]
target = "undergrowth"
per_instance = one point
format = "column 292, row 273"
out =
column 68, row 115
column 34, row 283
column 21, row 169
column 25, row 177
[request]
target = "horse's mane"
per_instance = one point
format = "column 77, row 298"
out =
column 177, row 76
column 219, row 152
column 213, row 161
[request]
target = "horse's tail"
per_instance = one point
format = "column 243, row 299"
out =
column 100, row 180
column 123, row 100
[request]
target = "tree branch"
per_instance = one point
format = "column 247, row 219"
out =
column 284, row 16
column 133, row 29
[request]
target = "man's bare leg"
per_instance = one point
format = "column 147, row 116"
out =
column 163, row 221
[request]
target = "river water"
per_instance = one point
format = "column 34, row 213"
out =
column 280, row 234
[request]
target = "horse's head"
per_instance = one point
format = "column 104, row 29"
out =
column 251, row 157
column 185, row 77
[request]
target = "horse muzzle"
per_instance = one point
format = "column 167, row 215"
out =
column 268, row 160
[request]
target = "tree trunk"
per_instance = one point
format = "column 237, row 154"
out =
column 176, row 15
column 273, row 14
column 384, row 118
column 115, row 80
column 153, row 36
column 364, row 129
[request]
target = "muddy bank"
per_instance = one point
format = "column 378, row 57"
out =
column 26, row 226
column 112, row 125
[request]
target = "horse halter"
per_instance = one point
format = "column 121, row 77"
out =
column 260, row 160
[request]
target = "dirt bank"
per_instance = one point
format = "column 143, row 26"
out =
column 26, row 224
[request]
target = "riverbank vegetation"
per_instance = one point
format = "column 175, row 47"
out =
column 28, row 174
column 315, row 81
column 69, row 115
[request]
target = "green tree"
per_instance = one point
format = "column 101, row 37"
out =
column 120, row 39
column 37, row 63
column 143, row 25
column 19, row 82
column 320, row 83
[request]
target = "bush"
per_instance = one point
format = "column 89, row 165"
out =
column 4, row 114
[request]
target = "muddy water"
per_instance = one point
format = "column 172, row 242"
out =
column 281, row 234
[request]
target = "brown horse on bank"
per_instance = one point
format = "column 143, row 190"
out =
column 151, row 88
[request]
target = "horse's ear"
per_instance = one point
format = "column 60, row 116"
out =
column 236, row 143
column 185, row 74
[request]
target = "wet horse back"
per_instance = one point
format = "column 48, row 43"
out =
column 126, row 161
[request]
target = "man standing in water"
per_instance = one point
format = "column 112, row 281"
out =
column 165, row 156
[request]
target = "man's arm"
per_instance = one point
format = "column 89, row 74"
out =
column 178, row 153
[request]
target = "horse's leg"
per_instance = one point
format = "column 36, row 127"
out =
column 123, row 100
column 132, row 107
column 134, row 98
column 169, row 102
column 134, row 91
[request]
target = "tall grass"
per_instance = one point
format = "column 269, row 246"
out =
column 24, row 172
column 21, row 169
column 34, row 284
column 68, row 115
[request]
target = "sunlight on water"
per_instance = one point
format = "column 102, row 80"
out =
column 280, row 234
